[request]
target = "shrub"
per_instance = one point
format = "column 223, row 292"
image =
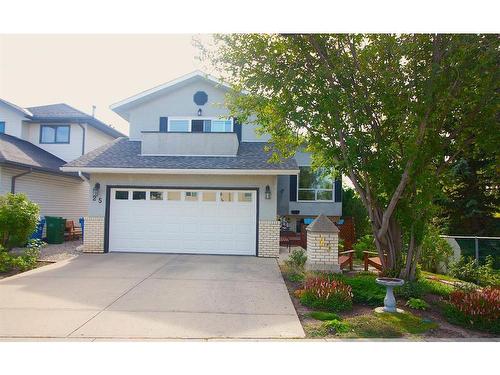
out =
column 18, row 219
column 410, row 289
column 294, row 265
column 437, row 288
column 336, row 326
column 467, row 269
column 479, row 309
column 27, row 260
column 322, row 293
column 297, row 258
column 323, row 315
column 417, row 304
column 5, row 260
column 435, row 250
column 366, row 290
column 365, row 243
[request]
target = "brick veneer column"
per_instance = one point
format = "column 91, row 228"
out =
column 93, row 239
column 322, row 245
column 269, row 239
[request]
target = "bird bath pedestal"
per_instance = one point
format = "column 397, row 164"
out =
column 389, row 300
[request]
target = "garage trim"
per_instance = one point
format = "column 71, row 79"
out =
column 108, row 204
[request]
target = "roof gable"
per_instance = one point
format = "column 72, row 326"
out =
column 16, row 108
column 121, row 107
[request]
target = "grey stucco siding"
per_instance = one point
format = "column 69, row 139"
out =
column 267, row 207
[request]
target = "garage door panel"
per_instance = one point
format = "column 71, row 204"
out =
column 182, row 226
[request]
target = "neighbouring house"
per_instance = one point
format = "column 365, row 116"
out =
column 190, row 179
column 35, row 142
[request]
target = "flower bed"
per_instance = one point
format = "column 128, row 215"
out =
column 322, row 293
column 479, row 309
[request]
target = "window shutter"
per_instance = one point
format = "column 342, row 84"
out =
column 163, row 124
column 293, row 188
column 237, row 129
column 338, row 190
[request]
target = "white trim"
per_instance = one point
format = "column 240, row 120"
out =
column 270, row 172
column 315, row 200
column 196, row 73
column 191, row 118
column 17, row 108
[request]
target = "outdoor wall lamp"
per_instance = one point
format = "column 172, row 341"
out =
column 200, row 112
column 268, row 192
column 95, row 190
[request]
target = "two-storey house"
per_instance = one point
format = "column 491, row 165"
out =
column 190, row 179
column 35, row 142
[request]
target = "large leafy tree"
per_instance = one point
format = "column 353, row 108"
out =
column 392, row 112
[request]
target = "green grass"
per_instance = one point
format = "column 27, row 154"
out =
column 437, row 288
column 366, row 290
column 439, row 276
column 323, row 315
column 386, row 325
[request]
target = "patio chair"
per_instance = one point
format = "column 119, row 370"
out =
column 371, row 258
column 72, row 232
column 345, row 259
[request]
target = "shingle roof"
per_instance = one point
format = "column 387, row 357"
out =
column 18, row 152
column 64, row 112
column 123, row 153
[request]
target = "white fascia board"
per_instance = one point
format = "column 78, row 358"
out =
column 270, row 172
column 24, row 111
column 166, row 85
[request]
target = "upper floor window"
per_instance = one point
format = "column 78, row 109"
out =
column 200, row 125
column 2, row 127
column 315, row 185
column 54, row 134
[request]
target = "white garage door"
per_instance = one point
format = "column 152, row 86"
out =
column 183, row 221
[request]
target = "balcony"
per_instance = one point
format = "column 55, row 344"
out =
column 189, row 144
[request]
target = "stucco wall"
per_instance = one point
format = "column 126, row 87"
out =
column 13, row 120
column 267, row 207
column 95, row 138
column 179, row 103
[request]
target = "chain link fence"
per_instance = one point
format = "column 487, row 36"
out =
column 478, row 247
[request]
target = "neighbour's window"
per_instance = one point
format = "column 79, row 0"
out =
column 155, row 195
column 209, row 196
column 139, row 195
column 315, row 185
column 54, row 134
column 191, row 196
column 174, row 195
column 226, row 196
column 244, row 197
column 121, row 194
column 178, row 126
column 2, row 127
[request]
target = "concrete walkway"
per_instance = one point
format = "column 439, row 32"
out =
column 149, row 296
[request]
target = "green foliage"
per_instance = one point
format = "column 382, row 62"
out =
column 417, row 303
column 435, row 250
column 18, row 219
column 437, row 288
column 407, row 322
column 297, row 258
column 336, row 326
column 5, row 260
column 391, row 111
column 410, row 289
column 467, row 269
column 323, row 315
column 27, row 260
column 294, row 265
column 365, row 289
column 353, row 206
column 477, row 309
column 322, row 293
column 370, row 326
column 365, row 243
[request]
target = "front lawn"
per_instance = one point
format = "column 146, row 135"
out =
column 425, row 303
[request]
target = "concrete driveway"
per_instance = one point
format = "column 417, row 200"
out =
column 146, row 296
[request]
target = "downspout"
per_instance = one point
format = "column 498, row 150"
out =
column 13, row 180
column 82, row 176
column 83, row 137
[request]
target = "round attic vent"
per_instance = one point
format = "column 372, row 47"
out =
column 200, row 97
